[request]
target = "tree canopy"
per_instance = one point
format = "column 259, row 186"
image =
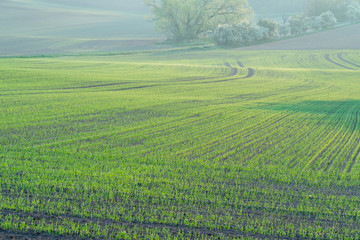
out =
column 337, row 7
column 183, row 20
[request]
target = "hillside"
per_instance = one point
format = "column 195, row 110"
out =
column 217, row 144
column 36, row 27
column 341, row 38
column 50, row 27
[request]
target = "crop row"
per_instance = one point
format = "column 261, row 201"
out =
column 202, row 145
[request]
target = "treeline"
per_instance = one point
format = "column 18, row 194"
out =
column 246, row 33
column 270, row 7
column 231, row 22
column 342, row 9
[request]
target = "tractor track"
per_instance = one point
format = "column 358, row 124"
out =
column 233, row 72
column 327, row 58
column 99, row 85
column 340, row 56
column 240, row 64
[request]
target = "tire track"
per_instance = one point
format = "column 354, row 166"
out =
column 251, row 73
column 327, row 58
column 132, row 88
column 96, row 86
column 240, row 64
column 233, row 72
column 339, row 55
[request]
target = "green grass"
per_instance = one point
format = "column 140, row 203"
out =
column 166, row 145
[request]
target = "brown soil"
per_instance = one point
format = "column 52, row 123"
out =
column 341, row 38
column 17, row 235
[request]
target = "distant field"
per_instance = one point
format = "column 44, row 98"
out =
column 181, row 144
column 48, row 27
column 63, row 27
column 342, row 38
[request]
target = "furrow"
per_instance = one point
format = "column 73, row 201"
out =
column 343, row 165
column 328, row 133
column 341, row 146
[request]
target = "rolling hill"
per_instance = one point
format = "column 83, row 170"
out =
column 50, row 27
column 37, row 27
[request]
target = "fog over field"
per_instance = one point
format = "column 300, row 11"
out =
column 43, row 27
column 342, row 38
column 273, row 7
column 32, row 27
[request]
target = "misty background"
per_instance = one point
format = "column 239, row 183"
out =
column 31, row 27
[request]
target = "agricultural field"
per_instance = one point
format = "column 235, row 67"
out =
column 181, row 144
column 36, row 27
column 342, row 38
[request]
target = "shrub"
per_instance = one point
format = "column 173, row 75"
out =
column 285, row 30
column 224, row 35
column 327, row 20
column 316, row 7
column 315, row 23
column 271, row 25
column 353, row 12
column 298, row 25
column 239, row 34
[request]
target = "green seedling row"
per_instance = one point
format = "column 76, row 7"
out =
column 215, row 144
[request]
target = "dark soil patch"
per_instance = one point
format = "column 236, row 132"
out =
column 341, row 38
column 18, row 235
column 174, row 227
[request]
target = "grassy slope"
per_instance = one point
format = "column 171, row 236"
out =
column 176, row 144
